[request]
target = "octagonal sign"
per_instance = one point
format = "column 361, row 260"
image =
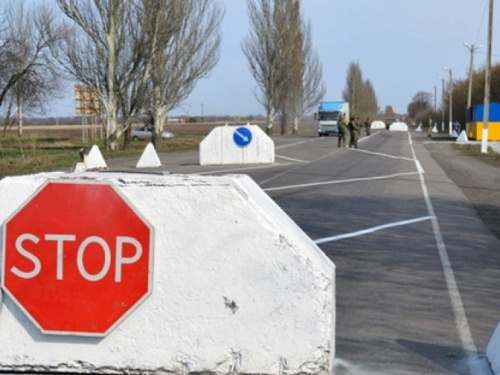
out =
column 77, row 258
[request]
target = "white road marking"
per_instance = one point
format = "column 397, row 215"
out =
column 461, row 322
column 296, row 143
column 292, row 159
column 339, row 181
column 232, row 170
column 371, row 230
column 380, row 154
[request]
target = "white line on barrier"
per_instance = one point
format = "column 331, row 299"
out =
column 371, row 230
column 340, row 181
column 456, row 300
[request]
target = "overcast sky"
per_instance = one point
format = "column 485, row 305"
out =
column 402, row 46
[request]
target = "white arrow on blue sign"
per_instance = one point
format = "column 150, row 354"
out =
column 242, row 136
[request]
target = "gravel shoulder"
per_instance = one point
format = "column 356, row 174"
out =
column 479, row 180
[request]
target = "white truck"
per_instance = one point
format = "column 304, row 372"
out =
column 328, row 115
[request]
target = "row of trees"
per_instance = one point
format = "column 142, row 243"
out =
column 282, row 61
column 421, row 108
column 140, row 57
column 144, row 57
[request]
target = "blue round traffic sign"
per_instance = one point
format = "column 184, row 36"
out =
column 242, row 136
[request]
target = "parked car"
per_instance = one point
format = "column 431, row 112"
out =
column 144, row 132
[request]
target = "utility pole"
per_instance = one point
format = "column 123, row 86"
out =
column 472, row 48
column 442, row 103
column 450, row 105
column 487, row 83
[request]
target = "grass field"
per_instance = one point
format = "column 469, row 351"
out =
column 59, row 149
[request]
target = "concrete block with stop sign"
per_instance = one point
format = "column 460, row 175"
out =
column 235, row 285
column 241, row 144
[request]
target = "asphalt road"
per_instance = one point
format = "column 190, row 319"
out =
column 418, row 271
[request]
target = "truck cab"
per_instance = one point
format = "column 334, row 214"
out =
column 328, row 115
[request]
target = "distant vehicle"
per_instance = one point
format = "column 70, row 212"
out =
column 328, row 115
column 144, row 132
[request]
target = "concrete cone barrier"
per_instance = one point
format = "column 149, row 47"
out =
column 419, row 128
column 454, row 134
column 95, row 160
column 435, row 129
column 462, row 137
column 149, row 158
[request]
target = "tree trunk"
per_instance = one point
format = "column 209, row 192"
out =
column 112, row 102
column 270, row 119
column 20, row 116
column 296, row 124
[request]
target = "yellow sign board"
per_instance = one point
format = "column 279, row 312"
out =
column 87, row 101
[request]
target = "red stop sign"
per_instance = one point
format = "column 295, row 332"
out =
column 77, row 258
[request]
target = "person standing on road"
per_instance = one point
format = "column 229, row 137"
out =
column 429, row 129
column 353, row 132
column 367, row 126
column 342, row 131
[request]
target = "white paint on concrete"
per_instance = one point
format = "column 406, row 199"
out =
column 220, row 148
column 95, row 160
column 376, row 125
column 398, row 127
column 462, row 138
column 238, row 287
column 493, row 351
column 149, row 158
column 371, row 230
column 461, row 321
column 80, row 167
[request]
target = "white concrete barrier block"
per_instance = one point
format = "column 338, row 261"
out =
column 435, row 129
column 149, row 158
column 419, row 128
column 245, row 144
column 237, row 287
column 94, row 159
column 377, row 125
column 398, row 126
column 493, row 351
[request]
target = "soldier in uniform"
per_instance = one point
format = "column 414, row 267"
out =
column 367, row 126
column 354, row 132
column 342, row 131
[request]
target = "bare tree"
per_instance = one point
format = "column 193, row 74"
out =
column 354, row 89
column 28, row 76
column 265, row 49
column 308, row 88
column 102, row 34
column 281, row 58
column 359, row 93
column 183, row 39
